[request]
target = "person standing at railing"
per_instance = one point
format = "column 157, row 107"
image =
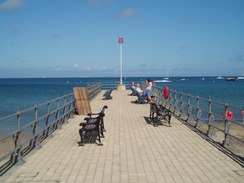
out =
column 149, row 89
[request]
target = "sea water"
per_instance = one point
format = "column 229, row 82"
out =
column 219, row 90
column 24, row 93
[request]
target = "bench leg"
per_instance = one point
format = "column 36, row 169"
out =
column 169, row 118
column 102, row 129
column 155, row 121
column 99, row 139
column 81, row 139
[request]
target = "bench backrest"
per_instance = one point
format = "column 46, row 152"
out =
column 154, row 107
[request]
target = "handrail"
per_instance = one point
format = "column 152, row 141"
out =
column 93, row 89
column 32, row 126
column 206, row 116
column 113, row 84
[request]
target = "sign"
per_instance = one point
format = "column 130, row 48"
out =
column 121, row 40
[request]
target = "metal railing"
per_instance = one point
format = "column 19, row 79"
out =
column 208, row 116
column 31, row 126
column 113, row 84
column 93, row 89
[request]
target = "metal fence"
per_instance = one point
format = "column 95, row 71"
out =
column 113, row 85
column 31, row 126
column 209, row 117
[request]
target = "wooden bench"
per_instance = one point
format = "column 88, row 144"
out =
column 159, row 114
column 107, row 95
column 93, row 128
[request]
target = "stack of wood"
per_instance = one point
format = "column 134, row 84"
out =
column 82, row 100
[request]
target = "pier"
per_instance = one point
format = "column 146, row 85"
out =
column 133, row 151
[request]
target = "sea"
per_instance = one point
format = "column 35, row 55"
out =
column 24, row 93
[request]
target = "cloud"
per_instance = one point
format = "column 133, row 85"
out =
column 12, row 4
column 127, row 13
column 76, row 66
column 100, row 3
column 95, row 68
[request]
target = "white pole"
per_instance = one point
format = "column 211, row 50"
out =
column 121, row 82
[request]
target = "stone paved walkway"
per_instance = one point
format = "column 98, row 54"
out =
column 132, row 151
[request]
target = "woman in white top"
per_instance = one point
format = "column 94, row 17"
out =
column 149, row 89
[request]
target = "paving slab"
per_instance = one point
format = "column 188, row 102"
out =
column 132, row 151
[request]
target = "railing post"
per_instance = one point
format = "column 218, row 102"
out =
column 170, row 101
column 228, row 141
column 71, row 111
column 35, row 129
column 159, row 96
column 48, row 119
column 65, row 110
column 175, row 102
column 58, row 114
column 188, row 106
column 209, row 114
column 197, row 109
column 17, row 139
column 181, row 104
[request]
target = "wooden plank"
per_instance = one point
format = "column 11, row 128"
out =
column 82, row 100
column 83, row 93
column 76, row 93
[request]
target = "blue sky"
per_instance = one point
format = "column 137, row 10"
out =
column 79, row 38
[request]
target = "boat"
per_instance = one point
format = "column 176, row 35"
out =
column 220, row 77
column 164, row 80
column 240, row 77
column 230, row 79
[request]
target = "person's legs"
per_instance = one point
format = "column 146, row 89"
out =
column 149, row 95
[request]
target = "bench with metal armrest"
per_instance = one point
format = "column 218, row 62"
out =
column 159, row 114
column 94, row 126
column 107, row 95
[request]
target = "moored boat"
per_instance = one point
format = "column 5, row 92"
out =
column 230, row 79
column 164, row 80
column 220, row 77
column 240, row 77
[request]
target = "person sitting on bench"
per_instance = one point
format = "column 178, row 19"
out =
column 142, row 97
column 139, row 90
column 133, row 89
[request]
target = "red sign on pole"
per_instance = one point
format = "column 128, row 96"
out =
column 121, row 40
